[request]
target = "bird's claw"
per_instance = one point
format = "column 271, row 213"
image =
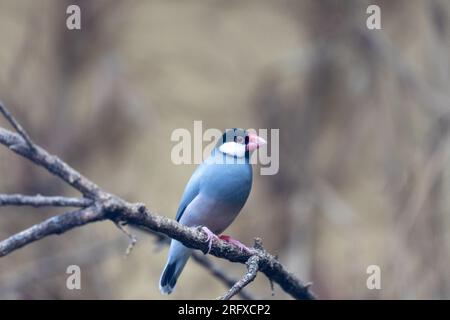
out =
column 210, row 236
column 236, row 243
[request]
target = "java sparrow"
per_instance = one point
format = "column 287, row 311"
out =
column 213, row 197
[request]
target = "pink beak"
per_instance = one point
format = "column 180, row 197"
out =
column 255, row 142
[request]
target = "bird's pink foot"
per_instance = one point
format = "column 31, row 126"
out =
column 237, row 243
column 211, row 235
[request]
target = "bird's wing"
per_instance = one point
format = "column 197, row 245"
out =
column 190, row 192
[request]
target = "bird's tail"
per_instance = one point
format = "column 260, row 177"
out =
column 178, row 256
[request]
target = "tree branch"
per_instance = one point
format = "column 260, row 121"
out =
column 108, row 206
column 219, row 274
column 55, row 225
column 43, row 201
column 203, row 261
column 52, row 163
column 15, row 124
column 252, row 270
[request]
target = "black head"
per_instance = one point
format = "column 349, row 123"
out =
column 239, row 143
column 237, row 135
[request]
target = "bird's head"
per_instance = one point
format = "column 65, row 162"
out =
column 239, row 142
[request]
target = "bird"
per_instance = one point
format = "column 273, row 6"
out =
column 213, row 197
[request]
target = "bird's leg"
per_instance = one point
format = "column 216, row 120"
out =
column 237, row 243
column 211, row 235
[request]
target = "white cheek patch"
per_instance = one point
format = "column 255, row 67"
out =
column 233, row 149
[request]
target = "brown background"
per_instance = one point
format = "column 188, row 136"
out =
column 364, row 136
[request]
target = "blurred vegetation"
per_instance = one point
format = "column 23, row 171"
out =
column 364, row 120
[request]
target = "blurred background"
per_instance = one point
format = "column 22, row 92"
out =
column 364, row 119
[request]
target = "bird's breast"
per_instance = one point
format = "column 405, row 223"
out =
column 215, row 214
column 230, row 183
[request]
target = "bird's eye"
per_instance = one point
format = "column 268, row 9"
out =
column 240, row 139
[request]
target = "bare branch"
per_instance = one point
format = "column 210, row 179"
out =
column 202, row 260
column 219, row 273
column 108, row 206
column 55, row 225
column 43, row 201
column 137, row 214
column 50, row 162
column 16, row 125
column 252, row 270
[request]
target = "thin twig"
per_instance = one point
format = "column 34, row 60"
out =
column 252, row 270
column 16, row 126
column 220, row 274
column 272, row 287
column 130, row 236
column 259, row 246
column 43, row 201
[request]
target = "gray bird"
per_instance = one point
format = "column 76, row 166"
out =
column 213, row 197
